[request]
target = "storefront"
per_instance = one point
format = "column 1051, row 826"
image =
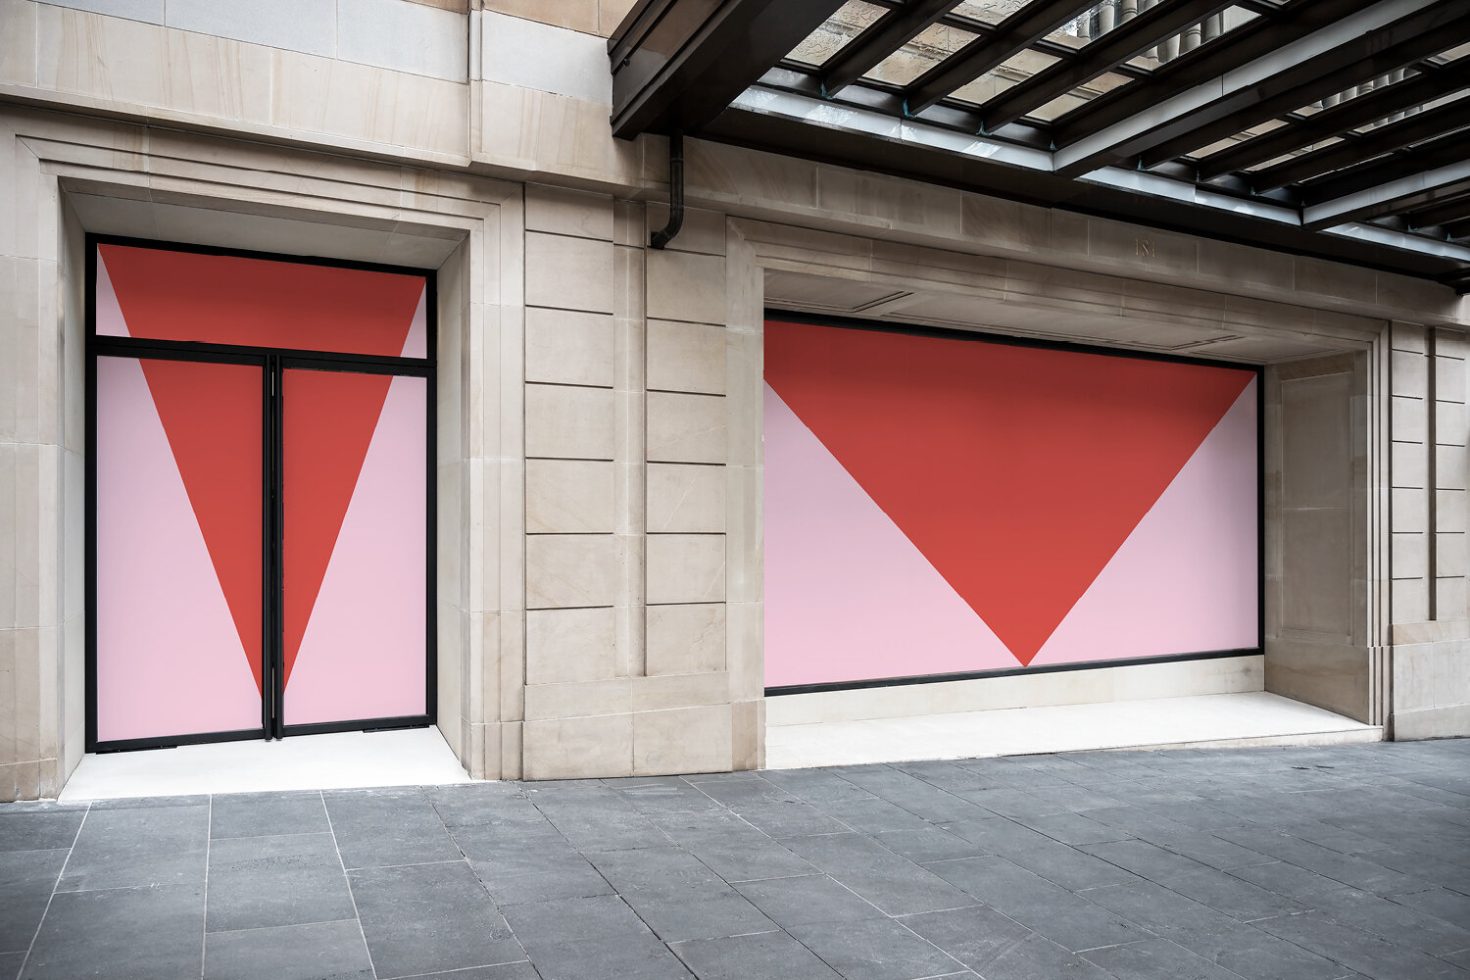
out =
column 372, row 385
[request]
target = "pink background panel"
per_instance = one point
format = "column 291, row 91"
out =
column 416, row 344
column 848, row 596
column 362, row 655
column 1185, row 580
column 110, row 322
column 169, row 659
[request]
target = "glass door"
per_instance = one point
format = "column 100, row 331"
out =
column 178, row 549
column 354, row 520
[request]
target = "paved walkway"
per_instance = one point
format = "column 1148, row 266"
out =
column 1295, row 864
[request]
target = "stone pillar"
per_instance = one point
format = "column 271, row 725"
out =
column 1430, row 693
column 42, row 441
column 625, row 491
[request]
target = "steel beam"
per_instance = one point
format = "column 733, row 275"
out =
column 1256, row 39
column 1432, row 82
column 1359, row 149
column 881, row 39
column 1448, row 149
column 1097, row 57
column 1447, row 215
column 1371, row 42
column 1375, row 54
column 676, row 64
column 794, row 124
column 1414, row 189
column 1017, row 32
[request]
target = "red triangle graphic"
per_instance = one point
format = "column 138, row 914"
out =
column 329, row 419
column 211, row 414
column 1017, row 471
column 229, row 299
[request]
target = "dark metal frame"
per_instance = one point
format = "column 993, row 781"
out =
column 273, row 363
column 1171, row 146
column 888, row 326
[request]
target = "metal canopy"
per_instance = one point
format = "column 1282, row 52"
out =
column 1333, row 128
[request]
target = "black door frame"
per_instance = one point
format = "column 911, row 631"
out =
column 272, row 362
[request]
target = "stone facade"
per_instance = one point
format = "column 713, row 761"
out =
column 599, row 486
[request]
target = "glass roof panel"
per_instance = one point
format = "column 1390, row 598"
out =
column 1294, row 153
column 1080, row 95
column 1230, row 141
column 931, row 46
column 1218, row 25
column 836, row 32
column 1015, row 68
column 988, row 11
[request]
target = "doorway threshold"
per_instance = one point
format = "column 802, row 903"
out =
column 1207, row 721
column 345, row 760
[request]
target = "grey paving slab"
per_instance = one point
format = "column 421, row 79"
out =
column 927, row 845
column 806, row 899
column 429, row 917
column 1403, row 924
column 1452, row 907
column 761, row 956
column 1156, row 959
column 314, row 951
column 501, row 971
column 384, row 828
column 1074, row 829
column 919, row 797
column 702, row 910
column 146, row 933
column 265, row 814
column 789, row 817
column 27, row 879
column 134, row 846
column 650, row 867
column 1072, row 868
column 515, row 872
column 622, row 957
column 894, row 884
column 1041, row 905
column 257, row 882
column 1366, row 954
column 1329, row 863
column 1207, row 849
column 1234, row 896
column 1144, row 859
column 978, row 937
column 1305, row 887
column 739, row 855
column 472, row 804
column 1214, row 935
column 1035, row 958
column 602, row 822
column 945, row 775
column 875, row 949
column 538, row 925
column 874, row 816
column 39, row 826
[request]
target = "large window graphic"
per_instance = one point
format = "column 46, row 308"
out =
column 261, row 530
column 939, row 505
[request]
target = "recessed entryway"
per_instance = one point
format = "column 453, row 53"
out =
column 260, row 458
